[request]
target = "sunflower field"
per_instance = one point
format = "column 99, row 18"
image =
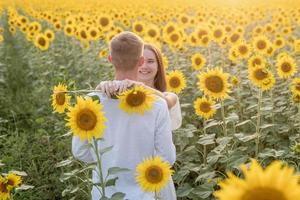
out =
column 234, row 65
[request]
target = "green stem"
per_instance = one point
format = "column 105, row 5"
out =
column 204, row 147
column 77, row 91
column 99, row 164
column 257, row 132
column 273, row 116
column 223, row 118
column 156, row 196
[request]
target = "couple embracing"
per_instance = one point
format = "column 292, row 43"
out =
column 134, row 137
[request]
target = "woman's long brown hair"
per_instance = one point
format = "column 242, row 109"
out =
column 160, row 82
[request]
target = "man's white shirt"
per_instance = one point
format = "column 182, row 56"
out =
column 134, row 137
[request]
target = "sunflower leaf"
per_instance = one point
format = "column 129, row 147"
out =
column 116, row 170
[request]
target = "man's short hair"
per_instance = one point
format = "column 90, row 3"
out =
column 126, row 48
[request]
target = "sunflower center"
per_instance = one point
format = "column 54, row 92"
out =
column 49, row 35
column 286, row 67
column 202, row 33
column 263, row 194
column 104, row 21
column 184, row 20
column 86, row 119
column 174, row 37
column 136, row 98
column 139, row 28
column 256, row 61
column 154, row 174
column 260, row 74
column 198, row 61
column 278, row 42
column 243, row 49
column 170, row 29
column 298, row 87
column 218, row 33
column 60, row 98
column 205, row 107
column 69, row 30
column 83, row 34
column 261, row 44
column 10, row 182
column 174, row 82
column 205, row 40
column 3, row 188
column 234, row 37
column 214, row 84
column 42, row 41
column 93, row 33
column 152, row 33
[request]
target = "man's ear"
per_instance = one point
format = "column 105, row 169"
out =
column 109, row 58
column 141, row 61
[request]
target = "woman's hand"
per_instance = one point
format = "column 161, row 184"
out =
column 108, row 87
column 116, row 87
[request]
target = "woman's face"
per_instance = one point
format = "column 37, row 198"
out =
column 148, row 71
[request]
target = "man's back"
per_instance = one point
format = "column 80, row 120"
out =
column 133, row 137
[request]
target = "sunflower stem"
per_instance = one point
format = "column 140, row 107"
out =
column 223, row 118
column 257, row 141
column 99, row 164
column 78, row 91
column 204, row 147
column 156, row 196
column 273, row 117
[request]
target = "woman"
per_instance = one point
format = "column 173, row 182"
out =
column 152, row 76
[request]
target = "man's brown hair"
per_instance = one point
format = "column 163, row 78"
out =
column 126, row 48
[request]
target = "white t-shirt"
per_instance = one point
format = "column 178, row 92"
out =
column 134, row 137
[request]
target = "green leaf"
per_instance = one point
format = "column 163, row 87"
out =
column 245, row 138
column 117, row 196
column 116, row 170
column 243, row 122
column 185, row 190
column 207, row 175
column 64, row 163
column 207, row 139
column 106, row 149
column 111, row 182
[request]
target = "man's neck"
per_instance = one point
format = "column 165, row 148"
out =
column 121, row 75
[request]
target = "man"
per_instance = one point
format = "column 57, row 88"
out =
column 133, row 137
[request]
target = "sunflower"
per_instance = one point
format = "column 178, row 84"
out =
column 58, row 26
column 1, row 38
column 86, row 119
column 296, row 98
column 103, row 53
column 165, row 61
column 286, row 67
column 243, row 50
column 60, row 100
column 256, row 60
column 69, row 30
column 138, row 27
column 41, row 41
column 4, row 191
column 234, row 38
column 214, row 83
column 176, row 81
column 279, row 42
column 82, row 34
column 93, row 33
column 261, row 184
column 169, row 28
column 261, row 77
column 202, row 31
column 175, row 38
column 50, row 35
column 261, row 44
column 218, row 34
column 232, row 55
column 204, row 107
column 136, row 100
column 153, row 174
column 152, row 31
column 198, row 61
column 205, row 40
column 13, row 181
column 105, row 22
column 295, row 86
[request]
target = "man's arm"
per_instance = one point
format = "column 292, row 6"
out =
column 163, row 135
